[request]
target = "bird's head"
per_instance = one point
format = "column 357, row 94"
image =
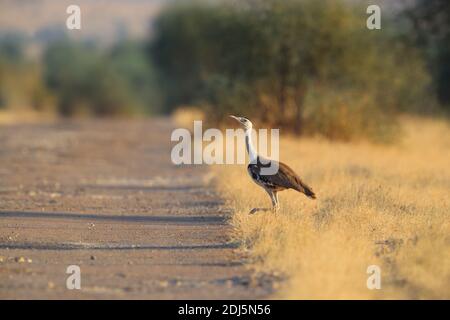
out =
column 245, row 123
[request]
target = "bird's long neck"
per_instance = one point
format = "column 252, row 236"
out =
column 249, row 144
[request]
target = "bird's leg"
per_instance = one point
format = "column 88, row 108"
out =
column 275, row 206
column 275, row 202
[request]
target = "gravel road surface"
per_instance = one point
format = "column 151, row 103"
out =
column 104, row 195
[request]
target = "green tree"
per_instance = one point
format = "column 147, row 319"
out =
column 268, row 59
column 430, row 20
column 87, row 80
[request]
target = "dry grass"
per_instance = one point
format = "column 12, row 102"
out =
column 382, row 205
column 8, row 117
column 186, row 115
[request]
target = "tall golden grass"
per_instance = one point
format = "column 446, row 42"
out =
column 385, row 205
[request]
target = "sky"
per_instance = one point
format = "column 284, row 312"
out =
column 104, row 21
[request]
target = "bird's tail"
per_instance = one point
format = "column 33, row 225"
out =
column 307, row 190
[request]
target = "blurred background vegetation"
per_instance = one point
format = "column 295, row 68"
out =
column 311, row 67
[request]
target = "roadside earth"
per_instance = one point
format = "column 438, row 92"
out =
column 104, row 195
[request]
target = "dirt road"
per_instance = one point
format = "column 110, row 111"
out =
column 104, row 195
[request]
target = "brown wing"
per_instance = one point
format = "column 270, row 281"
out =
column 287, row 178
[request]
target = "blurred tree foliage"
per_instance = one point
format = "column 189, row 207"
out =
column 20, row 80
column 90, row 81
column 12, row 48
column 430, row 21
column 311, row 66
column 308, row 66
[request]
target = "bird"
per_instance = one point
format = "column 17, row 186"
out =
column 285, row 178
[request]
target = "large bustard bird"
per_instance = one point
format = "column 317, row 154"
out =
column 284, row 178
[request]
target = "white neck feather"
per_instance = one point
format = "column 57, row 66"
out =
column 249, row 144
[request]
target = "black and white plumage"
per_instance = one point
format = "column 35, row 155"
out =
column 284, row 178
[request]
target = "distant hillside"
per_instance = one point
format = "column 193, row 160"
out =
column 103, row 20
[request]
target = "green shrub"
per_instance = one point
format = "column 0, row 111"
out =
column 346, row 114
column 20, row 79
column 263, row 60
column 97, row 82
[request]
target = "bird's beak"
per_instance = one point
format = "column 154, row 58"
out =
column 235, row 118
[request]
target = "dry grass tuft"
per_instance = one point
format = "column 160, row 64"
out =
column 382, row 205
column 186, row 115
